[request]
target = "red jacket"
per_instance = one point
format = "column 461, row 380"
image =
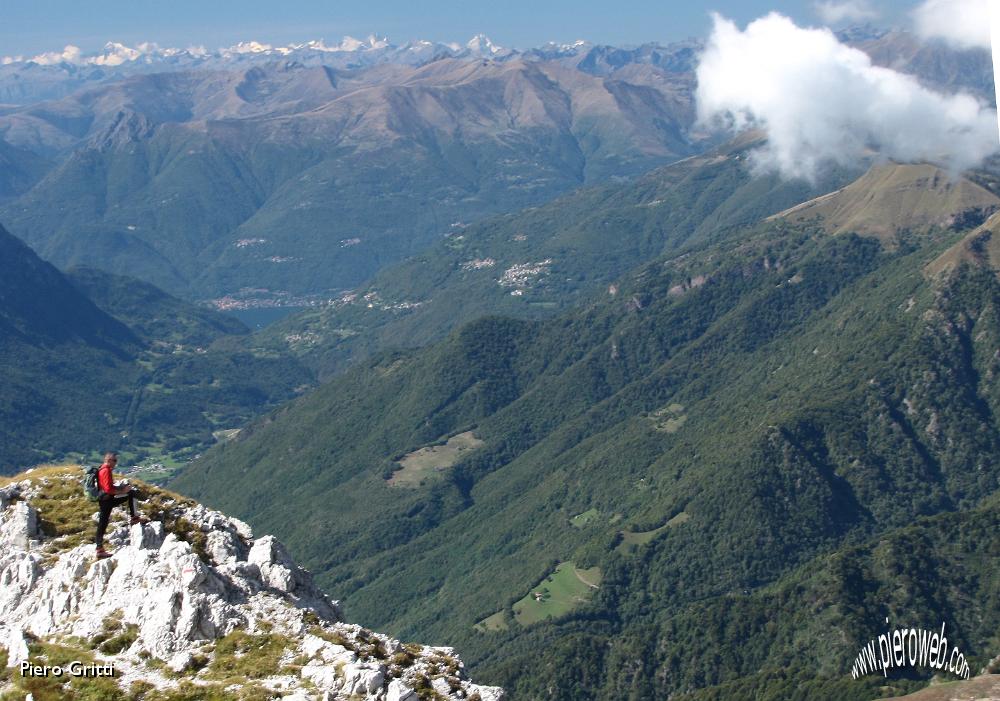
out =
column 105, row 480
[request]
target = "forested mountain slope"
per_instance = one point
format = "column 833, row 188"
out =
column 59, row 350
column 285, row 175
column 729, row 437
column 94, row 361
column 540, row 261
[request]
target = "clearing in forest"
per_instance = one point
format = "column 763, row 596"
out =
column 557, row 594
column 425, row 462
column 631, row 539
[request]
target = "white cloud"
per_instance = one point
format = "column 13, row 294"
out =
column 962, row 23
column 821, row 101
column 832, row 12
column 71, row 54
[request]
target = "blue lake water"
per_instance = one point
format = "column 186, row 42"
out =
column 259, row 318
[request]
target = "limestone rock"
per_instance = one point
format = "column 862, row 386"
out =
column 324, row 676
column 222, row 547
column 176, row 593
column 487, row 693
column 363, row 677
column 273, row 561
column 148, row 537
column 241, row 528
column 441, row 686
column 8, row 494
column 398, row 691
column 180, row 661
column 17, row 648
column 20, row 525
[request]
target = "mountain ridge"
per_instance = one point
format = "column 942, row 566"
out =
column 894, row 199
column 57, row 73
column 303, row 178
column 208, row 183
column 190, row 605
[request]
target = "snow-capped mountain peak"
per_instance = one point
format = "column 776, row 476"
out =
column 116, row 53
column 482, row 44
column 119, row 55
column 247, row 47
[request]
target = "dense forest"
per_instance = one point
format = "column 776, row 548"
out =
column 762, row 445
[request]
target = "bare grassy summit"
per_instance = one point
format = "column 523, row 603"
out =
column 892, row 199
column 984, row 688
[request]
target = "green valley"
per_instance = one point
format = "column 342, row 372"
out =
column 99, row 361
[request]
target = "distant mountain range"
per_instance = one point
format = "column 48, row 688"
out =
column 26, row 79
column 287, row 176
column 53, row 74
column 298, row 180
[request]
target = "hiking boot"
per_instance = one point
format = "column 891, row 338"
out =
column 102, row 554
column 137, row 519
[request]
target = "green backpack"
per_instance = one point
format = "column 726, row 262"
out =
column 90, row 487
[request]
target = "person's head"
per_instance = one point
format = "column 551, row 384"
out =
column 111, row 458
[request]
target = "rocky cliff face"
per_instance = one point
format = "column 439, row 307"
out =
column 190, row 605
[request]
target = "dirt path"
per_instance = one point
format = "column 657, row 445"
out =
column 580, row 577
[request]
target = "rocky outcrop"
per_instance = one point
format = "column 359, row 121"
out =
column 178, row 594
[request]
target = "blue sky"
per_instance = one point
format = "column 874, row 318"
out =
column 33, row 26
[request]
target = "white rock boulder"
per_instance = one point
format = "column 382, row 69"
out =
column 398, row 691
column 171, row 595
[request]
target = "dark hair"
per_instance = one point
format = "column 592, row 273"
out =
column 110, row 454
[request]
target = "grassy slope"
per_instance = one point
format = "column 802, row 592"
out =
column 891, row 199
column 421, row 464
column 559, row 593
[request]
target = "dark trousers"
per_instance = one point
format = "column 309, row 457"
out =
column 106, row 503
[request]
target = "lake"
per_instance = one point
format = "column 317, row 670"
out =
column 264, row 316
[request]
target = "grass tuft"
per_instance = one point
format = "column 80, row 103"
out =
column 241, row 655
column 63, row 688
column 115, row 636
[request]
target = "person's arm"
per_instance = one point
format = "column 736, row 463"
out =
column 122, row 488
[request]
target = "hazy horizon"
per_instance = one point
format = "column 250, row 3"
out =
column 33, row 28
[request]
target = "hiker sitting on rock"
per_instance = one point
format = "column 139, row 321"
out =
column 111, row 496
